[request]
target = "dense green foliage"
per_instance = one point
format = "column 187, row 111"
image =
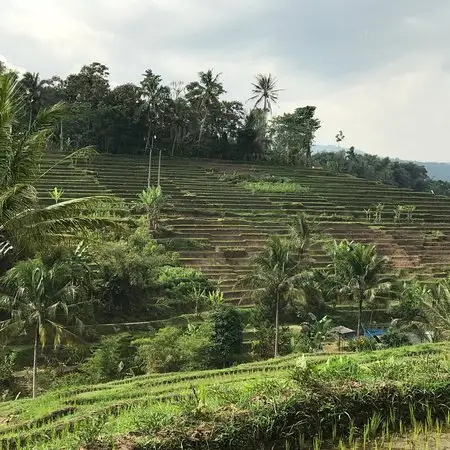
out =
column 193, row 119
column 137, row 279
column 359, row 273
column 62, row 269
column 25, row 225
column 386, row 170
column 227, row 335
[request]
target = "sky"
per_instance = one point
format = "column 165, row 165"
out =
column 377, row 69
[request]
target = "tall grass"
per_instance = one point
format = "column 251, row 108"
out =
column 347, row 401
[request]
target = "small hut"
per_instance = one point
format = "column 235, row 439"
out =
column 343, row 333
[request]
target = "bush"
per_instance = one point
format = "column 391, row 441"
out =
column 172, row 349
column 181, row 285
column 115, row 358
column 395, row 338
column 361, row 344
column 263, row 345
column 7, row 371
column 195, row 348
column 161, row 353
column 227, row 335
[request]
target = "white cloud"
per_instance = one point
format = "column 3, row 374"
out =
column 380, row 73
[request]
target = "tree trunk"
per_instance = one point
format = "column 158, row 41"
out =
column 31, row 116
column 360, row 307
column 36, row 340
column 277, row 325
column 149, row 175
column 159, row 168
column 174, row 143
column 61, row 137
column 200, row 133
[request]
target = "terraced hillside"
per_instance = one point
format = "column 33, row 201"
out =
column 226, row 221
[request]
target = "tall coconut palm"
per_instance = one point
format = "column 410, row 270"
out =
column 32, row 86
column 204, row 94
column 301, row 234
column 359, row 272
column 277, row 275
column 24, row 224
column 41, row 302
column 265, row 92
column 155, row 96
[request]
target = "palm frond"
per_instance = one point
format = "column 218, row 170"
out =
column 84, row 154
column 15, row 199
column 11, row 105
column 10, row 329
column 60, row 221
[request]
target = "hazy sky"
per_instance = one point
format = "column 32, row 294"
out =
column 377, row 69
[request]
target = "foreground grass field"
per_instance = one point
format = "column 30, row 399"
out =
column 315, row 398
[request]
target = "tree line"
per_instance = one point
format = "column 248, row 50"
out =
column 187, row 119
column 193, row 119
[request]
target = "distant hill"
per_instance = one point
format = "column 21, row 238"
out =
column 436, row 170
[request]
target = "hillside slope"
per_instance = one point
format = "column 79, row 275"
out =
column 226, row 222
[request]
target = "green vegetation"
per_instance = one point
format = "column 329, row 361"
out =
column 267, row 186
column 128, row 317
column 352, row 399
column 358, row 273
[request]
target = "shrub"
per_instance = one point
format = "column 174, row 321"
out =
column 361, row 344
column 395, row 338
column 181, row 282
column 7, row 371
column 172, row 349
column 195, row 347
column 263, row 345
column 115, row 358
column 177, row 244
column 161, row 353
column 227, row 334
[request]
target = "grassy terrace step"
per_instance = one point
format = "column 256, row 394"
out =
column 246, row 218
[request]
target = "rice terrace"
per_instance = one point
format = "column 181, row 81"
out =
column 180, row 272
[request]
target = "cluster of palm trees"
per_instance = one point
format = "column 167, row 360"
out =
column 283, row 273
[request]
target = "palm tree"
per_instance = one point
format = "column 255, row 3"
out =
column 155, row 96
column 265, row 92
column 301, row 234
column 435, row 309
column 32, row 86
column 359, row 272
column 205, row 94
column 24, row 225
column 277, row 275
column 40, row 301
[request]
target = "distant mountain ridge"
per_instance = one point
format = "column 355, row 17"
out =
column 436, row 170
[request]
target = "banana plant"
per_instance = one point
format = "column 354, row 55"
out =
column 56, row 194
column 398, row 213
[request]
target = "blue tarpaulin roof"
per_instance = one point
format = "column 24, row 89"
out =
column 371, row 332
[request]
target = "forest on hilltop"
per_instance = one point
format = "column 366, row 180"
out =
column 194, row 120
